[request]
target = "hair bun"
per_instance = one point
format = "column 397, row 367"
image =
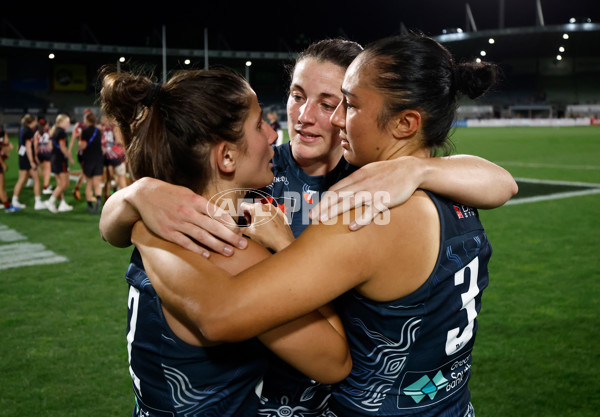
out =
column 474, row 78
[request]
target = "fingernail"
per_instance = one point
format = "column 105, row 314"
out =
column 353, row 226
column 227, row 251
column 242, row 244
column 206, row 254
column 324, row 218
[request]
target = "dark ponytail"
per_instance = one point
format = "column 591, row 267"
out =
column 169, row 129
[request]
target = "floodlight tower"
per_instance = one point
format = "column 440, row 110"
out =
column 470, row 24
column 539, row 16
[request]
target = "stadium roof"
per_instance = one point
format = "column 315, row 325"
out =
column 277, row 25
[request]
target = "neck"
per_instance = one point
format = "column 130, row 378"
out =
column 322, row 165
column 226, row 195
column 406, row 149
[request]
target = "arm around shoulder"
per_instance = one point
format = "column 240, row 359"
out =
column 470, row 180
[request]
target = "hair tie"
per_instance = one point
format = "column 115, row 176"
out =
column 152, row 95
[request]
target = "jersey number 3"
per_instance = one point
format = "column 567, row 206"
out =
column 456, row 340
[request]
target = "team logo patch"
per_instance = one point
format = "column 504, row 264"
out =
column 307, row 193
column 426, row 386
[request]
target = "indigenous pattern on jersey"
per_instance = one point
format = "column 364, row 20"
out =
column 294, row 191
column 173, row 378
column 286, row 391
column 412, row 356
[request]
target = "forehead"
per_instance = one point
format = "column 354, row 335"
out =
column 321, row 75
column 355, row 76
column 254, row 105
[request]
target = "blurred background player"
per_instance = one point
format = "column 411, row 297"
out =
column 5, row 147
column 43, row 153
column 75, row 140
column 61, row 158
column 27, row 163
column 114, row 158
column 92, row 159
column 274, row 122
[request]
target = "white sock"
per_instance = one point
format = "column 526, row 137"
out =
column 52, row 199
column 15, row 199
column 38, row 199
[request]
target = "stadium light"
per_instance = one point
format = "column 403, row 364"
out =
column 561, row 49
column 565, row 36
column 51, row 56
column 483, row 53
column 248, row 65
column 478, row 60
column 122, row 59
column 187, row 62
column 559, row 57
column 491, row 41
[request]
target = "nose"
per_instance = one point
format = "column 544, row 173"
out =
column 338, row 117
column 271, row 134
column 306, row 113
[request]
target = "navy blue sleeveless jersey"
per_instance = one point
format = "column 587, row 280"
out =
column 173, row 378
column 286, row 391
column 294, row 191
column 412, row 356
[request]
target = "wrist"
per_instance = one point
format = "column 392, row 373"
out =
column 420, row 169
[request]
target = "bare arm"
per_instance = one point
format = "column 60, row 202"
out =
column 65, row 150
column 175, row 213
column 467, row 179
column 323, row 263
column 315, row 343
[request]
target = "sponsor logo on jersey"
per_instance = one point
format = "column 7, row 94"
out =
column 425, row 386
column 463, row 212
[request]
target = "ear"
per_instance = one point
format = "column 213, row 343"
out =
column 406, row 124
column 226, row 156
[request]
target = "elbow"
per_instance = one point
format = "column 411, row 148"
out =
column 219, row 329
column 336, row 373
column 514, row 189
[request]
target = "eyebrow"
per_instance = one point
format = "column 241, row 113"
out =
column 347, row 93
column 321, row 95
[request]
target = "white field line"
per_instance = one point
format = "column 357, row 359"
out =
column 553, row 166
column 557, row 182
column 15, row 255
column 10, row 235
column 593, row 189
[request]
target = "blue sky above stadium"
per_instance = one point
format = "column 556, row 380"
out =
column 268, row 25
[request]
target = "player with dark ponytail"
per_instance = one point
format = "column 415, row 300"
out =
column 203, row 130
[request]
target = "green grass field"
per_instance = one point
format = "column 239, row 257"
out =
column 63, row 343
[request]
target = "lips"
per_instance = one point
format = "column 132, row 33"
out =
column 344, row 142
column 307, row 137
